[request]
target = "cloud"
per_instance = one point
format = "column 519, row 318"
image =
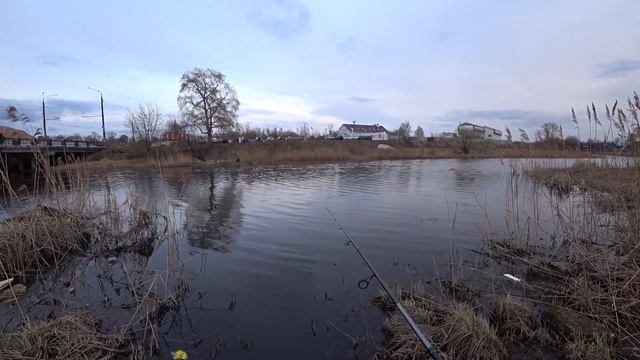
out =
column 362, row 99
column 617, row 68
column 284, row 112
column 367, row 112
column 282, row 19
column 347, row 44
column 57, row 60
column 65, row 116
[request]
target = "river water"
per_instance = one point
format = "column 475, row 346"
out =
column 269, row 272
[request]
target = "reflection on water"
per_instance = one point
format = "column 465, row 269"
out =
column 262, row 239
column 213, row 214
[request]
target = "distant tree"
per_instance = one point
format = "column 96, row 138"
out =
column 207, row 101
column 94, row 136
column 549, row 132
column 177, row 129
column 304, row 131
column 524, row 137
column 331, row 132
column 404, row 131
column 419, row 133
column 123, row 139
column 572, row 142
column 145, row 122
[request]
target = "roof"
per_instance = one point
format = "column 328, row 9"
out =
column 12, row 133
column 365, row 128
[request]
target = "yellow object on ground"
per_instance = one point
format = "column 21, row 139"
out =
column 180, row 355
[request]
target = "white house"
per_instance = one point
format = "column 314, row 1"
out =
column 358, row 131
column 479, row 132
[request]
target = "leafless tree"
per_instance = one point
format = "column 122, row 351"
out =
column 207, row 101
column 93, row 137
column 145, row 122
column 404, row 131
column 304, row 130
column 549, row 131
column 419, row 133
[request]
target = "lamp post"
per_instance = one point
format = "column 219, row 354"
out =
column 104, row 134
column 44, row 115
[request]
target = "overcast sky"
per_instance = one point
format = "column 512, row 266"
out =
column 433, row 63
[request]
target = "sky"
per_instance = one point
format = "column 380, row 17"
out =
column 432, row 63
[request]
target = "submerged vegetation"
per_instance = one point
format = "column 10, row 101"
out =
column 576, row 288
column 65, row 229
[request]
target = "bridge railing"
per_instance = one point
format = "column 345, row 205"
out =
column 24, row 143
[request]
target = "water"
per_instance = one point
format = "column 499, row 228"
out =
column 270, row 274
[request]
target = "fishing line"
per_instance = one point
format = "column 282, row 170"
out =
column 364, row 283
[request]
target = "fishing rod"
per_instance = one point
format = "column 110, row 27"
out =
column 363, row 284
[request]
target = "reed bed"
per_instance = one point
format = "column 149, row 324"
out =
column 63, row 224
column 579, row 286
column 313, row 151
column 73, row 336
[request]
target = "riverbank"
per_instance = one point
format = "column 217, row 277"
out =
column 569, row 294
column 54, row 250
column 289, row 152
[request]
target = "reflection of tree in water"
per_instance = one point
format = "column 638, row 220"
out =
column 214, row 212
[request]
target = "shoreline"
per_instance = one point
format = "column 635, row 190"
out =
column 303, row 153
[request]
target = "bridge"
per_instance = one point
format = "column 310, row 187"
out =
column 19, row 155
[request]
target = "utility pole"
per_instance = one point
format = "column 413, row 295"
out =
column 104, row 134
column 44, row 115
column 44, row 119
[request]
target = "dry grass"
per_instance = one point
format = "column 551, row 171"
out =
column 41, row 238
column 458, row 330
column 513, row 319
column 316, row 151
column 74, row 336
column 583, row 277
column 583, row 347
column 67, row 223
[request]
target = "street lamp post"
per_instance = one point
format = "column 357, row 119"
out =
column 44, row 115
column 104, row 134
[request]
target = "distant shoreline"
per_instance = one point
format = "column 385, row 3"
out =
column 309, row 152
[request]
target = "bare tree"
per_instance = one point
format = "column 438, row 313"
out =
column 176, row 130
column 304, row 130
column 207, row 101
column 404, row 131
column 419, row 133
column 145, row 121
column 93, row 137
column 549, row 131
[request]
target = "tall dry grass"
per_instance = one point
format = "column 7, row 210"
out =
column 59, row 220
